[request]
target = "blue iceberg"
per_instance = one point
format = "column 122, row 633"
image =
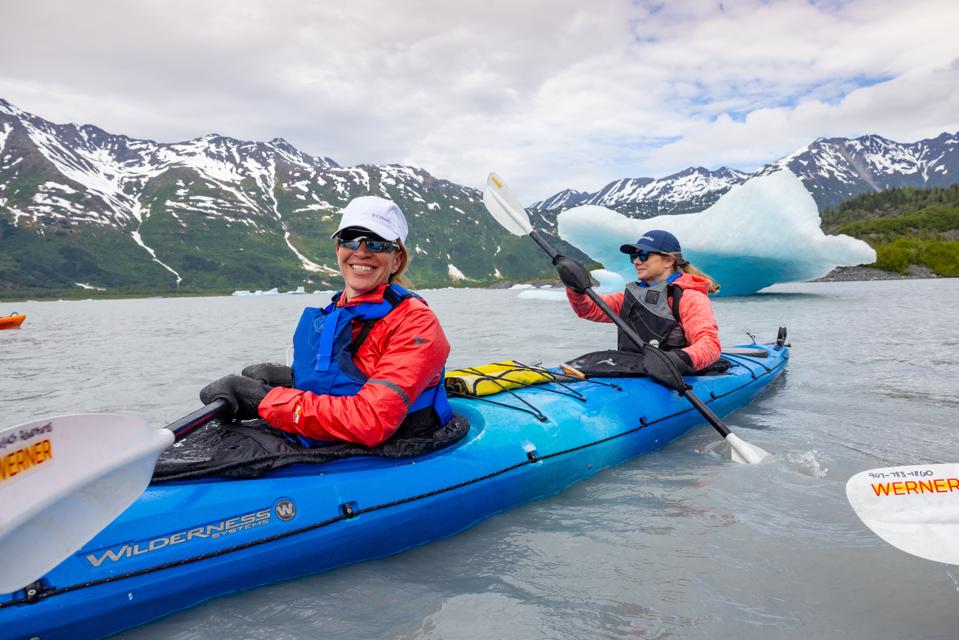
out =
column 764, row 231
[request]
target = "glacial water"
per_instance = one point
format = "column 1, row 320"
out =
column 681, row 543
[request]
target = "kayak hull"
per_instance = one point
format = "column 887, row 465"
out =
column 12, row 321
column 184, row 543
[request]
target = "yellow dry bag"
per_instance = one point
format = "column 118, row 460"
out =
column 494, row 378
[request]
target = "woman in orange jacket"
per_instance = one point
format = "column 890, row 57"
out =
column 365, row 367
column 666, row 305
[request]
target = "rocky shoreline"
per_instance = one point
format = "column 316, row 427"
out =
column 847, row 274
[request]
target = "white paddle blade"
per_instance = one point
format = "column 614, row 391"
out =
column 62, row 480
column 505, row 208
column 914, row 508
column 745, row 453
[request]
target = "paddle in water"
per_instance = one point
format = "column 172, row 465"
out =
column 914, row 508
column 506, row 209
column 63, row 479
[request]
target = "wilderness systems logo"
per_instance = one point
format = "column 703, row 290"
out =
column 211, row 531
column 285, row 509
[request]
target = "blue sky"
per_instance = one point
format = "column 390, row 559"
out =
column 549, row 93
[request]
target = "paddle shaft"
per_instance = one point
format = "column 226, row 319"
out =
column 201, row 416
column 699, row 405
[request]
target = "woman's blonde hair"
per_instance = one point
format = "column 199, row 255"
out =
column 683, row 265
column 399, row 276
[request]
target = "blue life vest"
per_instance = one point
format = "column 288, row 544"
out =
column 323, row 350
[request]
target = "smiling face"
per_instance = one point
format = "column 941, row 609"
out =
column 363, row 270
column 658, row 266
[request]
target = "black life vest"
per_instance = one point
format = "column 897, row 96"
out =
column 647, row 311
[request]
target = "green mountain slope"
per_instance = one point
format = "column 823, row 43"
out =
column 905, row 226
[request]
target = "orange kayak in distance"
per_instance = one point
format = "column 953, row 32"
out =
column 12, row 321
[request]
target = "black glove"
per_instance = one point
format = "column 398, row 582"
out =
column 573, row 274
column 275, row 375
column 242, row 394
column 667, row 367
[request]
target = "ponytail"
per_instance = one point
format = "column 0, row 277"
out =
column 683, row 265
column 693, row 271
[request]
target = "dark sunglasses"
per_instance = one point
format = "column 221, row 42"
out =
column 373, row 245
column 642, row 256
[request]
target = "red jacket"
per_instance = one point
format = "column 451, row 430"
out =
column 695, row 315
column 406, row 350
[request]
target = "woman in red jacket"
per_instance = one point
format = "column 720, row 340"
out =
column 667, row 305
column 369, row 364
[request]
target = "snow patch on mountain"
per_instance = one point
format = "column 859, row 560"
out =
column 5, row 130
column 89, row 287
column 305, row 262
column 136, row 238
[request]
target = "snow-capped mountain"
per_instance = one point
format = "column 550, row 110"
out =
column 83, row 207
column 693, row 189
column 833, row 170
column 836, row 169
column 565, row 199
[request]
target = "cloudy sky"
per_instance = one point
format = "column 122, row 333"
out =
column 549, row 93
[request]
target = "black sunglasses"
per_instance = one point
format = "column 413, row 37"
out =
column 374, row 245
column 642, row 256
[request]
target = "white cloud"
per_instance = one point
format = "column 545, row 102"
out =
column 551, row 94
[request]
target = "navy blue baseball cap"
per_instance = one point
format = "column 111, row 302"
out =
column 656, row 241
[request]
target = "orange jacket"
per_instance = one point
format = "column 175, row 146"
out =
column 695, row 314
column 403, row 354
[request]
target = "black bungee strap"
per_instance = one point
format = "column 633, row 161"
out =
column 741, row 360
column 532, row 410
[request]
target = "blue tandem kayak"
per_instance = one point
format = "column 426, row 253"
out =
column 186, row 542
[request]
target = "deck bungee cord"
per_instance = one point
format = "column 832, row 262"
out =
column 734, row 360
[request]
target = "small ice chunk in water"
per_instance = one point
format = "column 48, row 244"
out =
column 543, row 294
column 609, row 281
column 765, row 231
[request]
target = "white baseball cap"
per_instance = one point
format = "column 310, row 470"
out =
column 381, row 216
